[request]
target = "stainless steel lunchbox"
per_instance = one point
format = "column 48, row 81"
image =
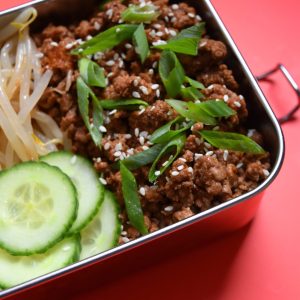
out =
column 209, row 224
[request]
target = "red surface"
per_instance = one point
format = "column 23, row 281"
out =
column 260, row 261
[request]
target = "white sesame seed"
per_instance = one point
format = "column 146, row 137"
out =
column 102, row 128
column 166, row 19
column 159, row 33
column 226, row 98
column 103, row 181
column 152, row 33
column 125, row 239
column 157, row 26
column 202, row 44
column 73, row 159
column 241, row 97
column 173, row 20
column 151, row 71
column 118, row 29
column 167, row 30
column 136, row 94
column 141, row 111
column 144, row 134
column 168, row 208
column 181, row 167
column 144, row 147
column 141, row 140
column 128, row 46
column 170, row 14
column 209, row 153
column 110, row 63
column 157, row 93
column 136, row 132
column 190, row 169
column 121, row 63
column 174, row 173
column 106, row 146
column 109, row 13
column 127, row 136
column 97, row 26
column 54, row 44
column 123, row 233
column 154, row 86
column 216, row 128
column 198, row 141
column 112, row 112
column 39, row 55
column 136, row 82
column 142, row 191
column 88, row 37
column 198, row 155
column 250, row 132
column 237, row 104
column 175, row 6
column 157, row 173
column 69, row 46
column 118, row 147
column 116, row 56
column 210, row 87
column 130, row 151
column 173, row 32
column 198, row 18
column 182, row 159
column 123, row 55
column 191, row 15
column 159, row 42
column 266, row 172
column 117, row 153
column 144, row 90
column 239, row 165
column 225, row 155
column 208, row 145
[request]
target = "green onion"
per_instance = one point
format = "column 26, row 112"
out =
column 107, row 39
column 141, row 159
column 83, row 95
column 164, row 134
column 177, row 143
column 132, row 201
column 194, row 83
column 128, row 104
column 216, row 108
column 91, row 73
column 171, row 72
column 186, row 42
column 231, row 141
column 191, row 93
column 140, row 14
column 192, row 111
column 141, row 43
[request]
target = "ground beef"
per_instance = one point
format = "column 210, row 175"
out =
column 201, row 176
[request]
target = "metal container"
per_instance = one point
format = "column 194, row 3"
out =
column 229, row 216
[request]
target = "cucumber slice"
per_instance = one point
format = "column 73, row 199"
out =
column 90, row 191
column 18, row 269
column 103, row 232
column 38, row 205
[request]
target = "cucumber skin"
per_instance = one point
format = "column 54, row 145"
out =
column 61, row 236
column 72, row 259
column 69, row 155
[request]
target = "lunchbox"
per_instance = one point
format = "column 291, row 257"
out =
column 212, row 223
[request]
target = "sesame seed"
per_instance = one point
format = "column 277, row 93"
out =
column 118, row 29
column 181, row 167
column 250, row 132
column 226, row 98
column 123, row 55
column 117, row 153
column 241, row 97
column 141, row 140
column 103, row 181
column 152, row 33
column 170, row 14
column 98, row 159
column 168, row 208
column 197, row 101
column 159, row 42
column 128, row 46
column 157, row 26
column 198, row 141
column 127, row 136
column 118, row 147
column 157, row 93
column 121, row 63
column 97, row 26
column 112, row 112
column 130, row 151
column 54, row 44
column 191, row 15
column 142, row 191
column 174, row 173
column 182, row 159
column 173, row 32
column 109, row 13
column 154, row 86
column 144, row 90
column 239, row 165
column 73, row 159
column 210, row 87
column 203, row 44
column 266, row 172
column 151, row 71
column 125, row 239
column 225, row 155
column 136, row 132
column 123, row 233
column 209, row 153
column 136, row 94
column 175, row 6
column 208, row 145
column 136, row 82
column 106, row 146
column 144, row 133
column 157, row 173
column 141, row 111
column 198, row 18
column 216, row 128
column 69, row 46
column 167, row 30
column 145, row 147
column 166, row 19
column 110, row 63
column 159, row 33
column 102, row 128
column 190, row 169
column 198, row 155
column 173, row 20
column 237, row 104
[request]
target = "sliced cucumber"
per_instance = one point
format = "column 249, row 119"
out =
column 104, row 230
column 18, row 269
column 38, row 205
column 90, row 190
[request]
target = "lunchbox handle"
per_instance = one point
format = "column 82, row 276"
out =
column 280, row 67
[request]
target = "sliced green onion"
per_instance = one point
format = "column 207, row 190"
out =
column 107, row 39
column 231, row 141
column 186, row 42
column 128, row 104
column 140, row 13
column 194, row 83
column 191, row 93
column 192, row 111
column 132, row 201
column 177, row 143
column 140, row 159
column 171, row 72
column 216, row 108
column 91, row 73
column 84, row 93
column 141, row 43
column 164, row 134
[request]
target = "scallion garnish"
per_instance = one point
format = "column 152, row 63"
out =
column 171, row 72
column 216, row 108
column 194, row 83
column 91, row 73
column 231, row 141
column 141, row 159
column 164, row 134
column 140, row 13
column 107, row 39
column 186, row 42
column 177, row 143
column 128, row 104
column 191, row 93
column 131, row 199
column 84, row 93
column 140, row 42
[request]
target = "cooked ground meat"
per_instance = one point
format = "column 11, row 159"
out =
column 201, row 176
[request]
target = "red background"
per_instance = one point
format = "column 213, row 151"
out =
column 261, row 261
